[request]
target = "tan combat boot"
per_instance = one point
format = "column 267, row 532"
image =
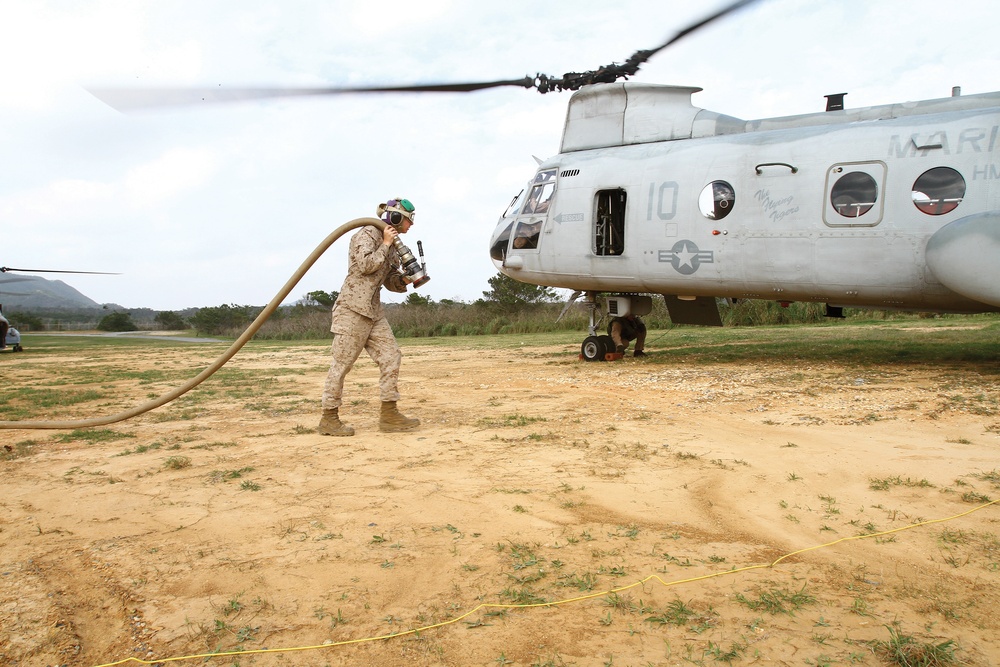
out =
column 392, row 419
column 330, row 424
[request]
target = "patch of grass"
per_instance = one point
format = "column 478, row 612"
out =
column 94, row 435
column 777, row 601
column 215, row 445
column 226, row 475
column 885, row 483
column 521, row 596
column 177, row 463
column 677, row 613
column 620, row 602
column 975, row 497
column 905, row 651
column 22, row 402
column 140, row 449
column 584, row 582
column 508, row 421
column 717, row 653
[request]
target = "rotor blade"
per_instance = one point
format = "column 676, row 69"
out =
column 128, row 99
column 611, row 73
column 696, row 26
column 125, row 99
column 5, row 269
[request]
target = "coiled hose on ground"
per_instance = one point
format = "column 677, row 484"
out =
column 218, row 363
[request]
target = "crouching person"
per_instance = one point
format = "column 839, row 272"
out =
column 624, row 330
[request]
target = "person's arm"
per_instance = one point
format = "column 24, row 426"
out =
column 367, row 253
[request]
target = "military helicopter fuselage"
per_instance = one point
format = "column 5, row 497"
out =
column 890, row 207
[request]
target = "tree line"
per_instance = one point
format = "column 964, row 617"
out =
column 508, row 306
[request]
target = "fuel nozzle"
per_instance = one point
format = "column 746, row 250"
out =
column 415, row 271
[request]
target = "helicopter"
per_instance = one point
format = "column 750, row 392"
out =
column 653, row 195
column 885, row 207
column 10, row 337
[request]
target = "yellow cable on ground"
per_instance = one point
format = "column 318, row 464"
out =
column 556, row 603
column 220, row 362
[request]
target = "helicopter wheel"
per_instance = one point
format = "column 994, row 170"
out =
column 592, row 349
column 609, row 344
column 18, row 348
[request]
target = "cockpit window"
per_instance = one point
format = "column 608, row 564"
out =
column 542, row 189
column 526, row 236
column 515, row 205
column 538, row 201
column 544, row 176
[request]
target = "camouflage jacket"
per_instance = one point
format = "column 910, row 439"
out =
column 371, row 265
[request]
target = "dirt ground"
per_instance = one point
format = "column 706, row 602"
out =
column 548, row 511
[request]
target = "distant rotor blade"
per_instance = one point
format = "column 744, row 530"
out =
column 125, row 99
column 5, row 269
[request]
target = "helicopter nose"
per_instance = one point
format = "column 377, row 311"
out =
column 501, row 237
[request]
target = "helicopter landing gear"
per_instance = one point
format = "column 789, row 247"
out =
column 595, row 348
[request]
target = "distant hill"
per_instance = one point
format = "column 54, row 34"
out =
column 27, row 292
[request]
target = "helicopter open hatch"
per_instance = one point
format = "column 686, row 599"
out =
column 609, row 223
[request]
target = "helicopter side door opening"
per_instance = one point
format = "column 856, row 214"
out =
column 609, row 222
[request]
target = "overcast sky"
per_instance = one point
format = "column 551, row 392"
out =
column 219, row 204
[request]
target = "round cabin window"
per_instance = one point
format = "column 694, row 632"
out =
column 938, row 191
column 854, row 194
column 716, row 200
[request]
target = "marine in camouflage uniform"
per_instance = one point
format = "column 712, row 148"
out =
column 623, row 330
column 359, row 323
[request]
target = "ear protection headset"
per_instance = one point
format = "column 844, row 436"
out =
column 393, row 211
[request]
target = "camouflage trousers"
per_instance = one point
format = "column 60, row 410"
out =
column 353, row 333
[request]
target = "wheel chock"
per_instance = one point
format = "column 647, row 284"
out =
column 613, row 356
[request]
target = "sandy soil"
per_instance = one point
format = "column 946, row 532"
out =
column 703, row 515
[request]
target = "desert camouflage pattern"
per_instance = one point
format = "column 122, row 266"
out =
column 373, row 336
column 371, row 265
column 358, row 321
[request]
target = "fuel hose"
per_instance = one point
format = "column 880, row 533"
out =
column 218, row 363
